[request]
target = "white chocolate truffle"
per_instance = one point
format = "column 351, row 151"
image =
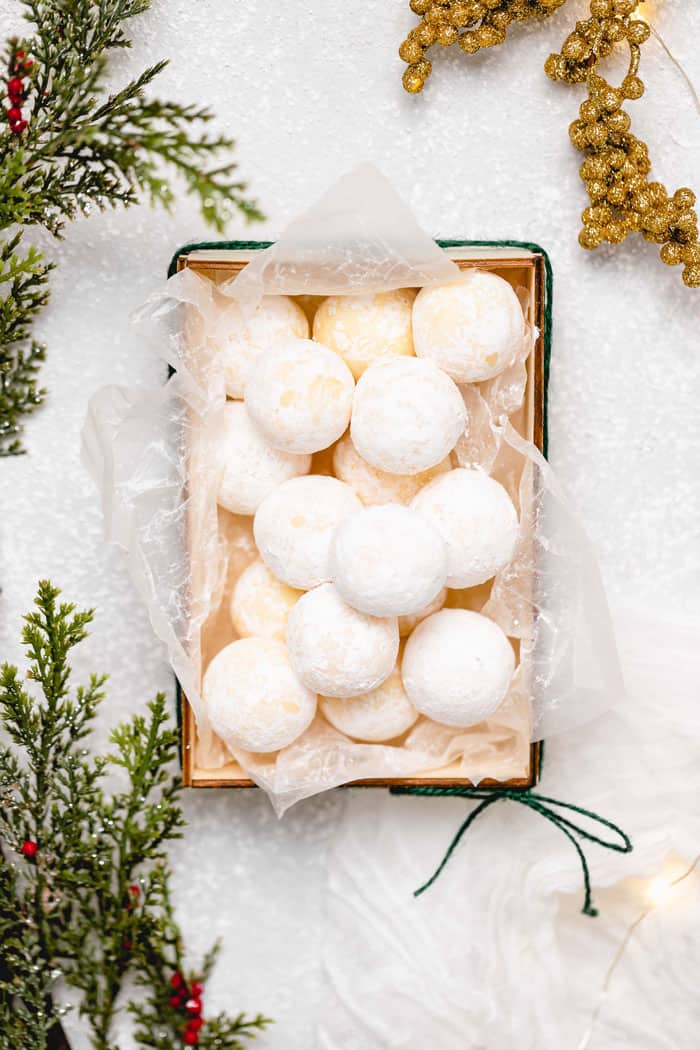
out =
column 407, row 623
column 363, row 328
column 388, row 561
column 472, row 329
column 477, row 520
column 254, row 699
column 383, row 714
column 251, row 469
column 299, row 394
column 407, row 415
column 260, row 603
column 457, row 667
column 294, row 526
column 375, row 486
column 336, row 650
column 240, row 341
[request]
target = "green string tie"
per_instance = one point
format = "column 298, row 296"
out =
column 546, row 807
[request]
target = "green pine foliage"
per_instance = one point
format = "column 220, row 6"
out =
column 84, row 878
column 75, row 148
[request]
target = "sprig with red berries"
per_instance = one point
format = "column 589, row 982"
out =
column 67, row 146
column 84, row 881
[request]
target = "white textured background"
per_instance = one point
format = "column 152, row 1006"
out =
column 319, row 925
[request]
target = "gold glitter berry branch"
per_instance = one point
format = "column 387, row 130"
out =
column 616, row 170
column 472, row 24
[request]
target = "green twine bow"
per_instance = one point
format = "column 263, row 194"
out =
column 546, row 807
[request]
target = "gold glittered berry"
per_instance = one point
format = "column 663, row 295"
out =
column 684, row 197
column 691, row 254
column 447, row 34
column 615, row 232
column 410, row 50
column 412, row 80
column 591, row 236
column 489, row 36
column 426, row 34
column 691, row 276
column 460, row 15
column 672, row 254
column 638, row 32
column 469, row 43
column 632, row 87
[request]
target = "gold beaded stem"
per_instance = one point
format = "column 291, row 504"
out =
column 616, row 171
column 472, row 24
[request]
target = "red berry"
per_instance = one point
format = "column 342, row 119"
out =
column 195, row 1024
column 175, row 1001
column 190, row 1037
column 176, row 980
column 196, row 988
column 15, row 88
column 28, row 848
column 19, row 54
column 135, row 890
column 19, row 127
column 28, row 63
column 14, row 114
column 193, row 1006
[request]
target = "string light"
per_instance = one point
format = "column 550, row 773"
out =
column 658, row 890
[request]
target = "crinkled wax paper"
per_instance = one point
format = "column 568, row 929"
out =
column 154, row 458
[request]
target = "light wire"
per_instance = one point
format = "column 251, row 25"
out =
column 617, row 957
column 678, row 65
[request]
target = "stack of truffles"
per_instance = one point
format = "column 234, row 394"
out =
column 350, row 610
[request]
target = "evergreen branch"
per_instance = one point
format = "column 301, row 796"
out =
column 89, row 898
column 23, row 280
column 74, row 147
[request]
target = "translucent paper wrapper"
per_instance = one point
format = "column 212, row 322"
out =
column 154, row 457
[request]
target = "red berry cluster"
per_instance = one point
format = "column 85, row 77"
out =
column 16, row 92
column 188, row 999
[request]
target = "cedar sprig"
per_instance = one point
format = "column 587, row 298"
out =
column 161, row 1023
column 23, row 293
column 84, row 878
column 67, row 146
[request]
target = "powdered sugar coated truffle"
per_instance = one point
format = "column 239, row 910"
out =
column 251, row 469
column 336, row 650
column 382, row 714
column 388, row 561
column 407, row 623
column 407, row 415
column 260, row 603
column 254, row 699
column 241, row 340
column 376, row 486
column 477, row 520
column 364, row 328
column 472, row 329
column 299, row 394
column 294, row 526
column 457, row 667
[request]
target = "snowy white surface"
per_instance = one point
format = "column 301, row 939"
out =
column 319, row 925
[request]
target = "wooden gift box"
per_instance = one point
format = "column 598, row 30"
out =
column 525, row 266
